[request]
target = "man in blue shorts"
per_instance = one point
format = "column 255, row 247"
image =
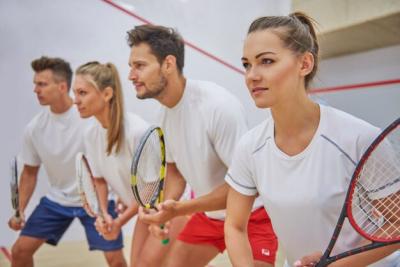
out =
column 53, row 138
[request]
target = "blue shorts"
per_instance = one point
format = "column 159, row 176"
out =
column 50, row 220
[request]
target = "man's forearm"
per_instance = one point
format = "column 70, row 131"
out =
column 26, row 188
column 216, row 200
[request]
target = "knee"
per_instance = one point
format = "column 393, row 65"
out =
column 143, row 262
column 19, row 251
column 116, row 260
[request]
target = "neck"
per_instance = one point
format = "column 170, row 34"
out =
column 296, row 115
column 62, row 105
column 173, row 92
column 104, row 117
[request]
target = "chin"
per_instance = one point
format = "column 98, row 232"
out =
column 42, row 102
column 84, row 115
column 261, row 104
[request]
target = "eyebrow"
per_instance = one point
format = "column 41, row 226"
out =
column 260, row 54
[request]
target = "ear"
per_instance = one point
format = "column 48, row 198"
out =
column 307, row 64
column 108, row 94
column 63, row 87
column 169, row 64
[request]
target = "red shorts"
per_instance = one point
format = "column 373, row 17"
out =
column 201, row 229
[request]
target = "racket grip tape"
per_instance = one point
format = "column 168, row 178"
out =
column 166, row 240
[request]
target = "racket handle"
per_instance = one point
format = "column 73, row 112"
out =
column 166, row 240
column 17, row 216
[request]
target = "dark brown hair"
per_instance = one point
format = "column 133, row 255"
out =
column 163, row 41
column 297, row 33
column 102, row 76
column 61, row 69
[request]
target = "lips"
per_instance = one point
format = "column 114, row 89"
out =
column 138, row 85
column 258, row 90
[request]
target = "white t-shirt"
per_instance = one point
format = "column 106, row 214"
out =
column 54, row 140
column 116, row 167
column 201, row 132
column 304, row 194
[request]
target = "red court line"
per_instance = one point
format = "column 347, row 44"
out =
column 353, row 86
column 6, row 253
column 207, row 54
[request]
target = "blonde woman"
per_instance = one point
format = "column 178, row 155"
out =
column 110, row 144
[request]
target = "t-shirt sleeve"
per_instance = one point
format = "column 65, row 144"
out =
column 240, row 175
column 92, row 155
column 168, row 155
column 228, row 124
column 136, row 132
column 29, row 153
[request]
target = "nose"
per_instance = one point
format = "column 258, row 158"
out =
column 252, row 74
column 36, row 89
column 132, row 75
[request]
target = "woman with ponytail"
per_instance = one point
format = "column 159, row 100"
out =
column 110, row 144
column 300, row 161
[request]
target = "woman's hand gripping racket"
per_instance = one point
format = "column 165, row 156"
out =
column 14, row 189
column 372, row 203
column 148, row 170
column 86, row 187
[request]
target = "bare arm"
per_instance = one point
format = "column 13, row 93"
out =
column 102, row 193
column 114, row 225
column 174, row 182
column 26, row 188
column 215, row 200
column 124, row 217
column 236, row 238
column 27, row 185
column 175, row 186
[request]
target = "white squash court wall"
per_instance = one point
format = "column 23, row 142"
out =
column 87, row 30
column 80, row 31
column 379, row 105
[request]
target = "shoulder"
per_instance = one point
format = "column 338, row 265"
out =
column 256, row 138
column 134, row 123
column 214, row 98
column 135, row 127
column 348, row 131
column 342, row 124
column 38, row 121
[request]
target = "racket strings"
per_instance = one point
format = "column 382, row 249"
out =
column 376, row 198
column 148, row 169
column 88, row 191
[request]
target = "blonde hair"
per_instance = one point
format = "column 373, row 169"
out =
column 102, row 76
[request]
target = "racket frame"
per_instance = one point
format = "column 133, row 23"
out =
column 85, row 203
column 159, row 195
column 14, row 188
column 326, row 259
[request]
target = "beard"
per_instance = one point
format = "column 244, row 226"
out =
column 154, row 90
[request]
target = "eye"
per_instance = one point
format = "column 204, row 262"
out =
column 139, row 66
column 245, row 65
column 267, row 61
column 82, row 93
